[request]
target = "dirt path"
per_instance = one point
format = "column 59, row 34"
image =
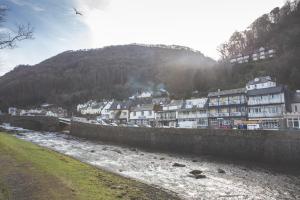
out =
column 28, row 172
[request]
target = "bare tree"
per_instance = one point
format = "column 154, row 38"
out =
column 9, row 39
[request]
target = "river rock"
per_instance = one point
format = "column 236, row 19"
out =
column 199, row 176
column 133, row 149
column 92, row 151
column 194, row 160
column 20, row 134
column 117, row 151
column 162, row 158
column 195, row 172
column 221, row 171
column 178, row 165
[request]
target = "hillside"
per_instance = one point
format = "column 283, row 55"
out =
column 279, row 30
column 110, row 72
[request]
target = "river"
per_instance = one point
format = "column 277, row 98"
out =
column 240, row 180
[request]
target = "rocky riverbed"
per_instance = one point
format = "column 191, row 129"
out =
column 190, row 177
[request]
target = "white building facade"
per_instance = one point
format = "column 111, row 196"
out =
column 193, row 114
column 168, row 116
column 266, row 103
column 143, row 115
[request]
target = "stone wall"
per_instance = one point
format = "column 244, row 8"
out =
column 37, row 123
column 266, row 146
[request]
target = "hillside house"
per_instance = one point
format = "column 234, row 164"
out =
column 193, row 114
column 12, row 111
column 226, row 107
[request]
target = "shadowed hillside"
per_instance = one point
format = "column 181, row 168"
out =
column 111, row 72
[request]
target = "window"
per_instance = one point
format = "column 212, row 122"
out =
column 142, row 113
column 290, row 123
column 150, row 113
column 296, row 109
column 134, row 113
column 296, row 123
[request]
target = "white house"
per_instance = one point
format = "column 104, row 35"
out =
column 260, row 83
column 105, row 112
column 266, row 102
column 193, row 114
column 143, row 114
column 12, row 111
column 119, row 112
column 227, row 107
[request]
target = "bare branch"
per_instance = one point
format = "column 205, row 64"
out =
column 9, row 41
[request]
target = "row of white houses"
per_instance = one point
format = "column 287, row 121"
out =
column 260, row 54
column 261, row 104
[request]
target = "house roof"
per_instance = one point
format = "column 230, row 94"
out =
column 227, row 92
column 98, row 105
column 271, row 90
column 120, row 105
column 141, row 101
column 143, row 107
column 195, row 103
column 176, row 103
column 262, row 79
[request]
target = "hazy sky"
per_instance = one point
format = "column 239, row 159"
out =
column 199, row 24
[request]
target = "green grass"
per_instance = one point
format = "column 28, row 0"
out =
column 27, row 170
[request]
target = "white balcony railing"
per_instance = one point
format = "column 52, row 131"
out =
column 192, row 116
column 237, row 114
column 264, row 114
column 219, row 114
column 264, row 101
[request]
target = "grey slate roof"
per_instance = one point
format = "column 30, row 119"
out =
column 271, row 90
column 176, row 103
column 262, row 79
column 124, row 105
column 143, row 107
column 227, row 92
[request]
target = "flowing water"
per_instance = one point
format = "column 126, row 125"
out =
column 241, row 180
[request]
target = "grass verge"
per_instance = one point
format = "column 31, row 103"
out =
column 28, row 171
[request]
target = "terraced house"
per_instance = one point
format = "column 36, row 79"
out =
column 267, row 102
column 119, row 112
column 226, row 107
column 143, row 114
column 193, row 114
column 167, row 117
column 293, row 118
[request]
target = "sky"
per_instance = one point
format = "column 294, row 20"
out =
column 198, row 24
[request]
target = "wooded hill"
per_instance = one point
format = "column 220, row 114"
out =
column 278, row 30
column 112, row 72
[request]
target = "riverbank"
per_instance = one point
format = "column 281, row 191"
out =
column 28, row 171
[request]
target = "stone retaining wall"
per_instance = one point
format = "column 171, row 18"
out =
column 280, row 147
